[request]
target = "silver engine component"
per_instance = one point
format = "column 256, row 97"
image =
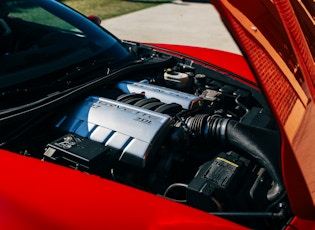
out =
column 134, row 131
column 166, row 95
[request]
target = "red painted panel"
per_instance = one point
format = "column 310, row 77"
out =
column 298, row 223
column 281, row 67
column 40, row 195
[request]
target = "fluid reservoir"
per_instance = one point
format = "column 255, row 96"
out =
column 177, row 80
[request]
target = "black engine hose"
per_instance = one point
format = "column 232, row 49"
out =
column 262, row 144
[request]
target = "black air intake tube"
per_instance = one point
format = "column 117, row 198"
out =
column 262, row 144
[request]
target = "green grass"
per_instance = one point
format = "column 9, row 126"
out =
column 111, row 8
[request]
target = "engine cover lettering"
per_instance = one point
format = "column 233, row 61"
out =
column 134, row 131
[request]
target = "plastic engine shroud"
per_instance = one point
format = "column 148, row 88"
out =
column 132, row 130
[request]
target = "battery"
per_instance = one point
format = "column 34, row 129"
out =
column 78, row 152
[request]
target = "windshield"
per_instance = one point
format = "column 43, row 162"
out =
column 40, row 37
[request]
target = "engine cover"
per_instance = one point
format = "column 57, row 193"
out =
column 136, row 132
column 166, row 95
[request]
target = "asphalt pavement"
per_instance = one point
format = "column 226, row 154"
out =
column 179, row 22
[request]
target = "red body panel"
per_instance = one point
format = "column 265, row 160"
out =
column 275, row 44
column 40, row 195
column 298, row 223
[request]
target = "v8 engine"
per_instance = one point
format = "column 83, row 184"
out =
column 180, row 131
column 132, row 131
column 148, row 134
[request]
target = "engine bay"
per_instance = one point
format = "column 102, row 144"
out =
column 180, row 130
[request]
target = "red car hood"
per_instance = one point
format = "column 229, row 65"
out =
column 278, row 39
